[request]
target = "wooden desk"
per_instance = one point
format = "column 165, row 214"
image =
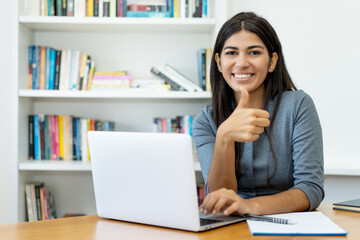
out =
column 93, row 227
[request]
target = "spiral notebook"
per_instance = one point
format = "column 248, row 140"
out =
column 307, row 223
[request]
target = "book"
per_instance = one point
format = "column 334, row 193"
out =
column 52, row 64
column 42, row 67
column 37, row 187
column 64, row 8
column 31, row 60
column 50, row 203
column 58, row 8
column 33, row 201
column 57, row 69
column 96, row 8
column 161, row 14
column 31, row 137
column 106, row 8
column 112, row 8
column 161, row 72
column 36, row 137
column 29, row 208
column 184, row 81
column 351, row 205
column 307, row 223
column 201, row 59
column 53, row 154
column 42, row 135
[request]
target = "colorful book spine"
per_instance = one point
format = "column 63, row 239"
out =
column 53, row 135
column 47, row 68
column 57, row 69
column 52, row 67
column 61, row 137
column 42, row 67
column 30, row 80
column 37, row 150
column 37, row 67
column 47, row 137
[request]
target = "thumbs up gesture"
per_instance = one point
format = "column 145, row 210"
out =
column 245, row 124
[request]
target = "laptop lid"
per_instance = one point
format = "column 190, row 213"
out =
column 145, row 178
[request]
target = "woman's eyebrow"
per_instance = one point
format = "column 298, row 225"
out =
column 249, row 47
column 255, row 46
column 230, row 47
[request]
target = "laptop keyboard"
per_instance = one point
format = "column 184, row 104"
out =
column 205, row 221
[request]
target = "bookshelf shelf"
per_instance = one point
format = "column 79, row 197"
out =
column 94, row 24
column 48, row 165
column 128, row 93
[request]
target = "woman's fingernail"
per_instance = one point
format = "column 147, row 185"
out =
column 214, row 212
column 201, row 210
column 205, row 212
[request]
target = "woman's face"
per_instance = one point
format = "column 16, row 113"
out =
column 245, row 62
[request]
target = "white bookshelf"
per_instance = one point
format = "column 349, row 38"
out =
column 132, row 44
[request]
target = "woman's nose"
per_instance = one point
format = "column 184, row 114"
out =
column 242, row 61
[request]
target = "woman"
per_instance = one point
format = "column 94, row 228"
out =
column 260, row 142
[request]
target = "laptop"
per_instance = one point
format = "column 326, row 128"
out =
column 148, row 178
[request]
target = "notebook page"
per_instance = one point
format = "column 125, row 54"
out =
column 308, row 223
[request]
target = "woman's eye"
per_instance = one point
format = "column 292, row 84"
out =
column 255, row 52
column 230, row 53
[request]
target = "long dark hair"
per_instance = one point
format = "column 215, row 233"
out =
column 275, row 83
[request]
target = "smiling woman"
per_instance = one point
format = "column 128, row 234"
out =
column 259, row 143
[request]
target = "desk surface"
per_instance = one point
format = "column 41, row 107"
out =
column 93, row 227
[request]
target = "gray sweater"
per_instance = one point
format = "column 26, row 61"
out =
column 296, row 139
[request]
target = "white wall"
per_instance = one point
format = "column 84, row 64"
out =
column 8, row 175
column 321, row 44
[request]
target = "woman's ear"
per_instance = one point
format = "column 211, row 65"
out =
column 273, row 62
column 217, row 60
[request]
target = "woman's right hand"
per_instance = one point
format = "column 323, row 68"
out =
column 244, row 124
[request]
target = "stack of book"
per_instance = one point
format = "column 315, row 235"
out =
column 119, row 8
column 62, row 137
column 110, row 80
column 179, row 124
column 39, row 202
column 177, row 80
column 51, row 69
